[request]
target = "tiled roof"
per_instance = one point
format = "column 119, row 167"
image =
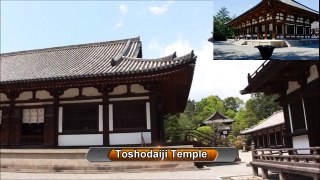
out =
column 96, row 59
column 275, row 119
column 298, row 5
column 218, row 118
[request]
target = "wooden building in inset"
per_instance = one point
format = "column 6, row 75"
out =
column 221, row 122
column 298, row 85
column 275, row 19
column 98, row 94
column 269, row 132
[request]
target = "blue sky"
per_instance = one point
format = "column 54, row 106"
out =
column 163, row 26
column 235, row 8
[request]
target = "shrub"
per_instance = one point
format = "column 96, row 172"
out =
column 205, row 129
column 238, row 144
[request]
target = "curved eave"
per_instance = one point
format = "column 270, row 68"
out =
column 110, row 77
column 263, row 4
column 250, row 131
column 244, row 14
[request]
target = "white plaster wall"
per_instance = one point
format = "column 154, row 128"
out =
column 80, row 140
column 129, row 138
column 72, row 92
column 129, row 98
column 110, row 117
column 148, row 115
column 90, row 91
column 301, row 142
column 292, row 86
column 43, row 95
column 25, row 96
column 60, row 119
column 3, row 97
column 137, row 88
column 80, row 101
column 121, row 89
column 34, row 104
column 100, row 118
column 314, row 74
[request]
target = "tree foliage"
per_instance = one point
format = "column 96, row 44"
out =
column 232, row 103
column 207, row 106
column 220, row 30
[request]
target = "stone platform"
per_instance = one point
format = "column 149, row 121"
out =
column 73, row 161
column 277, row 43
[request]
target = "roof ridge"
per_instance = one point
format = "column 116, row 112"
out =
column 173, row 57
column 67, row 47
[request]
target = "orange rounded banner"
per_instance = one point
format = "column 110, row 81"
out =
column 162, row 154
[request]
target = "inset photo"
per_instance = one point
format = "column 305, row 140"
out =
column 266, row 30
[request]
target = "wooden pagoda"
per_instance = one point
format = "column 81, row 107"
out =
column 221, row 122
column 275, row 19
column 98, row 94
column 298, row 85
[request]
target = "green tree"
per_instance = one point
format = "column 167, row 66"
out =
column 172, row 128
column 207, row 106
column 220, row 30
column 230, row 113
column 232, row 103
column 256, row 109
column 262, row 106
column 187, row 119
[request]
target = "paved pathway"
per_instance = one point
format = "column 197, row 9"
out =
column 218, row 171
column 228, row 51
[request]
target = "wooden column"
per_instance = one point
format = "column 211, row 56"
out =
column 106, row 140
column 295, row 26
column 284, row 27
column 266, row 26
column 5, row 126
column 304, row 28
column 49, row 127
column 15, row 120
column 105, row 90
column 56, row 93
column 274, row 33
column 258, row 31
column 251, row 30
column 282, row 176
column 155, row 133
column 264, row 173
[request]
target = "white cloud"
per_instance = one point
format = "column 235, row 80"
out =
column 158, row 10
column 224, row 78
column 154, row 45
column 123, row 9
column 181, row 47
column 119, row 24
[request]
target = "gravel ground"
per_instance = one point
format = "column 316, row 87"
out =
column 227, row 51
column 217, row 171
